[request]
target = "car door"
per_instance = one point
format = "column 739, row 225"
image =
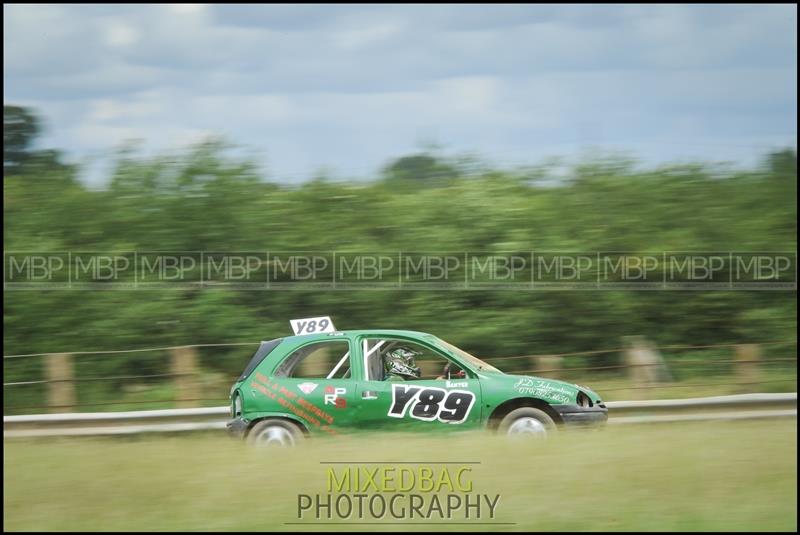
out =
column 433, row 402
column 315, row 384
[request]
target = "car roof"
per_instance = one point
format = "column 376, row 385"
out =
column 357, row 332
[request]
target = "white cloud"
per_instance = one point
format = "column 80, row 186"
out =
column 470, row 94
column 362, row 37
column 187, row 9
column 119, row 34
column 147, row 105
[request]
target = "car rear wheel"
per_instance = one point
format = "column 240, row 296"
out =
column 527, row 422
column 274, row 432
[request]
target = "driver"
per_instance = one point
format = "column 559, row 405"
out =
column 400, row 365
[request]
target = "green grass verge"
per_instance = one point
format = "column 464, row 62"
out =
column 720, row 476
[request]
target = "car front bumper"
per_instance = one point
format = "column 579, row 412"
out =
column 237, row 427
column 573, row 415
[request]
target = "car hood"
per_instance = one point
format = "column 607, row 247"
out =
column 551, row 390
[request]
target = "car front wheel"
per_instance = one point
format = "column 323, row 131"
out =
column 527, row 422
column 274, row 432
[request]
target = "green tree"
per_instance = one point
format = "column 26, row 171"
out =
column 419, row 167
column 783, row 163
column 20, row 129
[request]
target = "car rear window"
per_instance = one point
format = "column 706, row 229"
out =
column 263, row 350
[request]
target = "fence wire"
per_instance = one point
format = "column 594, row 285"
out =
column 559, row 370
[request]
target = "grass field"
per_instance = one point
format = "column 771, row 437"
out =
column 721, row 476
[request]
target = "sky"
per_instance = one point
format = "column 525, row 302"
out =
column 343, row 89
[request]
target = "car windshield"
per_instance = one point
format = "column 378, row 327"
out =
column 475, row 361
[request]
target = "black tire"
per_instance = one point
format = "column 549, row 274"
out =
column 275, row 432
column 529, row 421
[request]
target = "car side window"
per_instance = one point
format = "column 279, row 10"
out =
column 320, row 360
column 389, row 359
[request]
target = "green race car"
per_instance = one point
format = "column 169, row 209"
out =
column 328, row 383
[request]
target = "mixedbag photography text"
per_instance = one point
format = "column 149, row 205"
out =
column 398, row 492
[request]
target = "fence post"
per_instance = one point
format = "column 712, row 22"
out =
column 61, row 389
column 747, row 366
column 184, row 363
column 548, row 366
column 646, row 365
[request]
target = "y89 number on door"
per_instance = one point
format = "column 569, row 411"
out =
column 431, row 403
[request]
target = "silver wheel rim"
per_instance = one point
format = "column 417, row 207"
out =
column 275, row 435
column 527, row 426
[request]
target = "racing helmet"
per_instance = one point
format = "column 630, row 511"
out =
column 400, row 361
